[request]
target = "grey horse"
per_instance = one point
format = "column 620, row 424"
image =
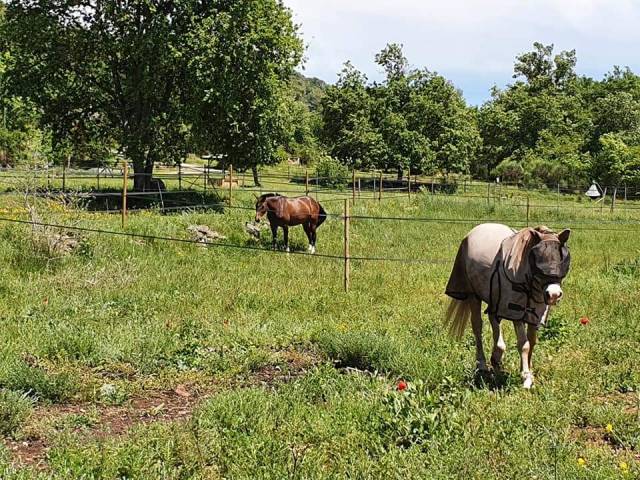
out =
column 518, row 274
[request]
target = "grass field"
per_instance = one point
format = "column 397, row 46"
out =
column 142, row 358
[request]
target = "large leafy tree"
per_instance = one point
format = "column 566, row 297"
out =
column 538, row 127
column 242, row 59
column 347, row 130
column 414, row 119
column 110, row 69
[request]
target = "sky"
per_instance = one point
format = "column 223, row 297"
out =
column 473, row 43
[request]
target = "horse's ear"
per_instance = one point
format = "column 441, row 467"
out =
column 563, row 236
column 517, row 255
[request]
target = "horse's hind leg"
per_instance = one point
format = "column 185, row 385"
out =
column 310, row 230
column 315, row 236
column 476, row 326
column 499, row 346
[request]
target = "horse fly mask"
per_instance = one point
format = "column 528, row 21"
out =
column 521, row 276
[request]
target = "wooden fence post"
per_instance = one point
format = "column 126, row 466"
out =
column 306, row 181
column 125, row 181
column 613, row 199
column 380, row 191
column 230, row 184
column 347, row 257
column 359, row 188
column 527, row 210
column 409, row 184
column 180, row 175
column 64, row 177
column 625, row 193
column 98, row 176
column 375, row 188
column 488, row 192
column 353, row 186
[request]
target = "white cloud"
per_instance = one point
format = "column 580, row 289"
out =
column 467, row 39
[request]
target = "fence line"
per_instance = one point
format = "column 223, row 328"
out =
column 221, row 245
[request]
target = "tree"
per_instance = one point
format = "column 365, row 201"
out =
column 108, row 69
column 242, row 59
column 539, row 127
column 21, row 141
column 414, row 119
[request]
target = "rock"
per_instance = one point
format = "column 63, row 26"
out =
column 203, row 234
column 252, row 229
column 181, row 391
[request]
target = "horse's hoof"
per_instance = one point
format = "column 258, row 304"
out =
column 527, row 381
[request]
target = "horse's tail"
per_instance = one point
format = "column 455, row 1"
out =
column 458, row 315
column 322, row 215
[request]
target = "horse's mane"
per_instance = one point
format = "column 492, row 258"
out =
column 264, row 196
column 523, row 242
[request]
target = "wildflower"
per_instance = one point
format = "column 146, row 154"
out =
column 581, row 461
column 402, row 385
column 584, row 321
column 609, row 428
column 624, row 467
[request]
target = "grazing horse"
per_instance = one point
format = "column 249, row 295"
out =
column 518, row 275
column 287, row 212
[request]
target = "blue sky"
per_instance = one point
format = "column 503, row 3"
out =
column 474, row 42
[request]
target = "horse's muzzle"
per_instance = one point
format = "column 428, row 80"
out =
column 552, row 294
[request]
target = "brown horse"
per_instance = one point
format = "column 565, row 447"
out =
column 287, row 212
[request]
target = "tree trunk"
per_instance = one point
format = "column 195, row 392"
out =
column 400, row 173
column 256, row 179
column 142, row 172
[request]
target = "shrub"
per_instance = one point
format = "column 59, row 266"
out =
column 332, row 173
column 414, row 414
column 15, row 408
column 361, row 350
column 36, row 382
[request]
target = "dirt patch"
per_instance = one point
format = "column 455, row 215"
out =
column 97, row 421
column 291, row 364
column 629, row 401
column 100, row 421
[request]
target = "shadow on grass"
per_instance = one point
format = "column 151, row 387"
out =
column 491, row 380
column 170, row 201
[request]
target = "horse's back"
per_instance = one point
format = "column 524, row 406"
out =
column 472, row 268
column 302, row 209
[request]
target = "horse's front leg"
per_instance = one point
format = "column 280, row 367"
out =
column 499, row 346
column 285, row 229
column 525, row 348
column 532, row 336
column 274, row 235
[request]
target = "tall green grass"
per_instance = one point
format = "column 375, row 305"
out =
column 149, row 314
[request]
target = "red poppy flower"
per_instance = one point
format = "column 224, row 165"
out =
column 584, row 320
column 402, row 385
